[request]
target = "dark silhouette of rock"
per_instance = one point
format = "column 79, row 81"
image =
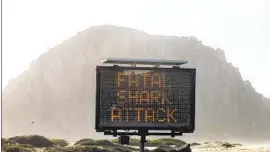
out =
column 58, row 90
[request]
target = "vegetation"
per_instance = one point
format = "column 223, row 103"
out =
column 229, row 145
column 155, row 143
column 194, row 144
column 77, row 149
column 12, row 146
column 36, row 143
column 82, row 141
column 167, row 141
column 163, row 148
column 17, row 148
column 60, row 142
column 34, row 140
column 5, row 141
column 91, row 142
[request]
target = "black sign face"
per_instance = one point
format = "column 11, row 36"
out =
column 140, row 97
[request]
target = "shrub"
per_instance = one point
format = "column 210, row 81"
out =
column 78, row 149
column 194, row 144
column 227, row 145
column 85, row 140
column 122, row 149
column 103, row 143
column 133, row 141
column 163, row 147
column 34, row 140
column 167, row 141
column 183, row 148
column 17, row 148
column 115, row 141
column 154, row 143
column 5, row 141
column 147, row 150
column 159, row 150
column 237, row 144
column 133, row 148
column 91, row 142
column 60, row 142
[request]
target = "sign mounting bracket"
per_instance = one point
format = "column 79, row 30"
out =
column 154, row 62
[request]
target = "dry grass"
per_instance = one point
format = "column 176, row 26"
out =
column 37, row 143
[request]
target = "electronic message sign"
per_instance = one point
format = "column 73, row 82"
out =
column 145, row 97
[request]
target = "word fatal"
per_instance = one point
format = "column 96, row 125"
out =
column 145, row 87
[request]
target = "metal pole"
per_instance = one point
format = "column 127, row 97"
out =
column 142, row 141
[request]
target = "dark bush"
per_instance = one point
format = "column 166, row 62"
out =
column 60, row 142
column 227, row 145
column 167, row 141
column 115, row 140
column 194, row 144
column 34, row 140
column 167, row 148
column 184, row 148
column 122, row 149
column 237, row 144
column 103, row 143
column 91, row 142
column 133, row 141
column 154, row 143
column 163, row 147
column 17, row 148
column 5, row 141
column 78, row 149
column 159, row 150
column 85, row 140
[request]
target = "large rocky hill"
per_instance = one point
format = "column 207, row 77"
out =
column 58, row 90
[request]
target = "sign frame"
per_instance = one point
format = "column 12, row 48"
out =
column 178, row 129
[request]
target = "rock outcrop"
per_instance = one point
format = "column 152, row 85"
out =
column 58, row 91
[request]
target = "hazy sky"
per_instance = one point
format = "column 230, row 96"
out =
column 240, row 27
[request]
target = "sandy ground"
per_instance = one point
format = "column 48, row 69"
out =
column 216, row 147
column 235, row 149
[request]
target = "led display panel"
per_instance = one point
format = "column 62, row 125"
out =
column 145, row 97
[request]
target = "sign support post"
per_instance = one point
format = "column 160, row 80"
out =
column 143, row 140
